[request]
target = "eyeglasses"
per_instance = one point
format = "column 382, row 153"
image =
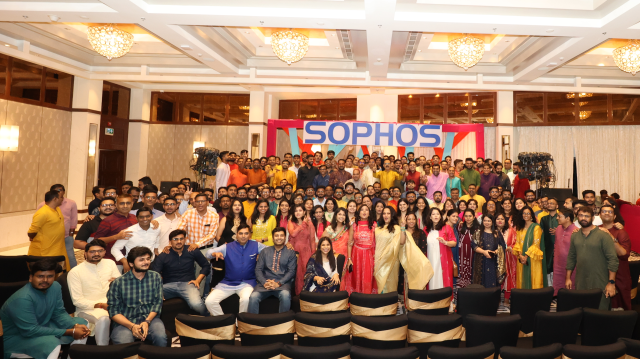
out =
column 170, row 204
column 97, row 251
column 200, row 202
column 150, row 197
column 108, row 205
column 178, row 239
column 125, row 203
column 606, row 212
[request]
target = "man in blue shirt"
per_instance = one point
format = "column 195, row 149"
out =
column 322, row 179
column 240, row 257
column 175, row 265
column 275, row 272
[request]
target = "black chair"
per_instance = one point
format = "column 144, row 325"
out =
column 231, row 305
column 633, row 347
column 603, row 327
column 196, row 330
column 480, row 301
column 570, row 299
column 611, row 351
column 551, row 351
column 192, row 352
column 225, row 351
column 379, row 332
column 417, row 298
column 373, row 305
column 366, row 353
column 561, row 327
column 13, row 269
column 7, row 290
column 251, row 334
column 170, row 310
column 324, row 352
column 634, row 268
column 480, row 352
column 120, row 351
column 434, row 324
column 502, row 331
column 308, row 324
column 527, row 302
column 334, row 302
column 66, row 295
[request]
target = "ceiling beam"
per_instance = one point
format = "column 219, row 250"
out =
column 379, row 35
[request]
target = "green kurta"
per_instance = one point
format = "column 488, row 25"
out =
column 470, row 177
column 547, row 223
column 592, row 258
column 34, row 322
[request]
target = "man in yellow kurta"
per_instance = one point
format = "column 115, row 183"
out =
column 46, row 232
column 388, row 176
column 285, row 174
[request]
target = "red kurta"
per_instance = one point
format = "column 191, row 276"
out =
column 623, row 275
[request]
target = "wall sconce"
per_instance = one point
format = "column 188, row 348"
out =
column 9, row 138
column 92, row 148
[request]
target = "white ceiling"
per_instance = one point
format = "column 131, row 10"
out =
column 356, row 45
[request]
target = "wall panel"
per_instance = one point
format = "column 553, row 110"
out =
column 160, row 153
column 215, row 136
column 237, row 138
column 53, row 166
column 183, row 150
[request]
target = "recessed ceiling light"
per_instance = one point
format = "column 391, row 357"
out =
column 333, row 34
column 419, row 50
column 246, row 32
column 207, row 59
column 7, row 45
column 600, row 64
column 550, row 30
column 321, row 23
column 337, row 47
column 83, row 17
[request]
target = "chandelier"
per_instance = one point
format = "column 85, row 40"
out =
column 466, row 106
column 289, row 46
column 627, row 57
column 466, row 51
column 584, row 115
column 580, row 95
column 243, row 107
column 109, row 41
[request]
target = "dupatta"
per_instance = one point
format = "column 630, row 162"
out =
column 526, row 269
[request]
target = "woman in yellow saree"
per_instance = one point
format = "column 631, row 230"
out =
column 529, row 249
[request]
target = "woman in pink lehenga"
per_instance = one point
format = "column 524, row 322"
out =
column 361, row 255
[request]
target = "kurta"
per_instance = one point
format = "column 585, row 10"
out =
column 623, row 275
column 303, row 240
column 49, row 240
column 485, row 270
column 440, row 256
column 89, row 284
column 486, row 182
column 546, row 223
column 264, row 229
column 437, row 183
column 593, row 257
column 534, row 274
column 510, row 260
column 390, row 254
column 361, row 279
column 289, row 175
column 561, row 251
column 34, row 322
column 470, row 176
column 451, row 184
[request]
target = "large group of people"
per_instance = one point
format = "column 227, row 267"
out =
column 277, row 227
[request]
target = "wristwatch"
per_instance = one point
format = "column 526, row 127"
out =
column 148, row 322
column 612, row 281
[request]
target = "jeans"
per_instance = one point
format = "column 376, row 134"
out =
column 260, row 293
column 218, row 295
column 68, row 244
column 156, row 336
column 188, row 292
column 205, row 285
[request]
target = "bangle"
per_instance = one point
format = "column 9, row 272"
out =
column 74, row 331
column 132, row 325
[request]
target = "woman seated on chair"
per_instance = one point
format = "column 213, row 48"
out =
column 324, row 269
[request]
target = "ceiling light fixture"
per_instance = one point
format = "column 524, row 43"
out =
column 243, row 107
column 289, row 46
column 580, row 95
column 110, row 41
column 466, row 105
column 627, row 57
column 466, row 51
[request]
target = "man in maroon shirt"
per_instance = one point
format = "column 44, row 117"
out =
column 520, row 185
column 412, row 175
column 622, row 244
column 114, row 227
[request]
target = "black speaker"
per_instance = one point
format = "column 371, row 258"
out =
column 165, row 186
column 559, row 193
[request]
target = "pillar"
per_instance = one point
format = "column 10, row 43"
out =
column 505, row 125
column 259, row 114
column 379, row 108
column 138, row 140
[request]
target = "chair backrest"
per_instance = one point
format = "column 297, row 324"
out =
column 317, row 330
column 193, row 352
column 602, row 327
column 379, row 332
column 501, row 331
column 170, row 309
column 261, row 329
column 367, row 353
column 13, row 269
column 480, row 352
column 196, row 330
column 527, row 302
column 429, row 302
column 560, row 327
column 551, row 351
column 570, row 299
column 480, row 301
column 573, row 351
column 7, row 290
column 119, row 351
column 373, row 305
column 634, row 268
column 318, row 352
column 268, row 351
column 324, row 302
column 633, row 347
column 66, row 294
column 425, row 331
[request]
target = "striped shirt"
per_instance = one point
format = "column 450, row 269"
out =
column 111, row 226
column 201, row 230
column 134, row 298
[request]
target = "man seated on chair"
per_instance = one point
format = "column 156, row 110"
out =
column 275, row 272
column 89, row 283
column 175, row 265
column 34, row 320
column 240, row 259
column 135, row 300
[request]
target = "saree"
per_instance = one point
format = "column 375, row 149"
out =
column 511, row 261
column 533, row 275
column 445, row 257
column 339, row 240
column 315, row 268
column 390, row 254
column 361, row 279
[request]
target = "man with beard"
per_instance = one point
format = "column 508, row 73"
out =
column 506, row 194
column 339, row 177
column 296, row 164
column 356, row 180
column 223, row 171
column 88, row 286
column 622, row 243
column 233, row 157
column 322, row 179
column 236, row 177
column 519, row 185
column 337, row 195
column 437, row 201
column 505, row 181
column 307, row 173
column 590, row 196
column 411, row 198
column 530, row 198
column 34, row 321
column 250, row 204
column 488, row 179
column 242, row 194
column 86, row 231
column 284, row 174
column 469, row 176
column 288, row 192
column 272, row 169
column 472, row 195
column 593, row 255
column 275, row 204
column 169, row 220
column 135, row 300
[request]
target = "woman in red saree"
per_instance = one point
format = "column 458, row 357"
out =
column 338, row 232
column 302, row 239
column 504, row 224
column 361, row 254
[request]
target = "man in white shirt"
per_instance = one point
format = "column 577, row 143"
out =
column 88, row 284
column 320, row 200
column 142, row 234
column 357, row 181
column 367, row 174
column 168, row 221
column 222, row 172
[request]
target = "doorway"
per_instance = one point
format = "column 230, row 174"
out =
column 111, row 170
